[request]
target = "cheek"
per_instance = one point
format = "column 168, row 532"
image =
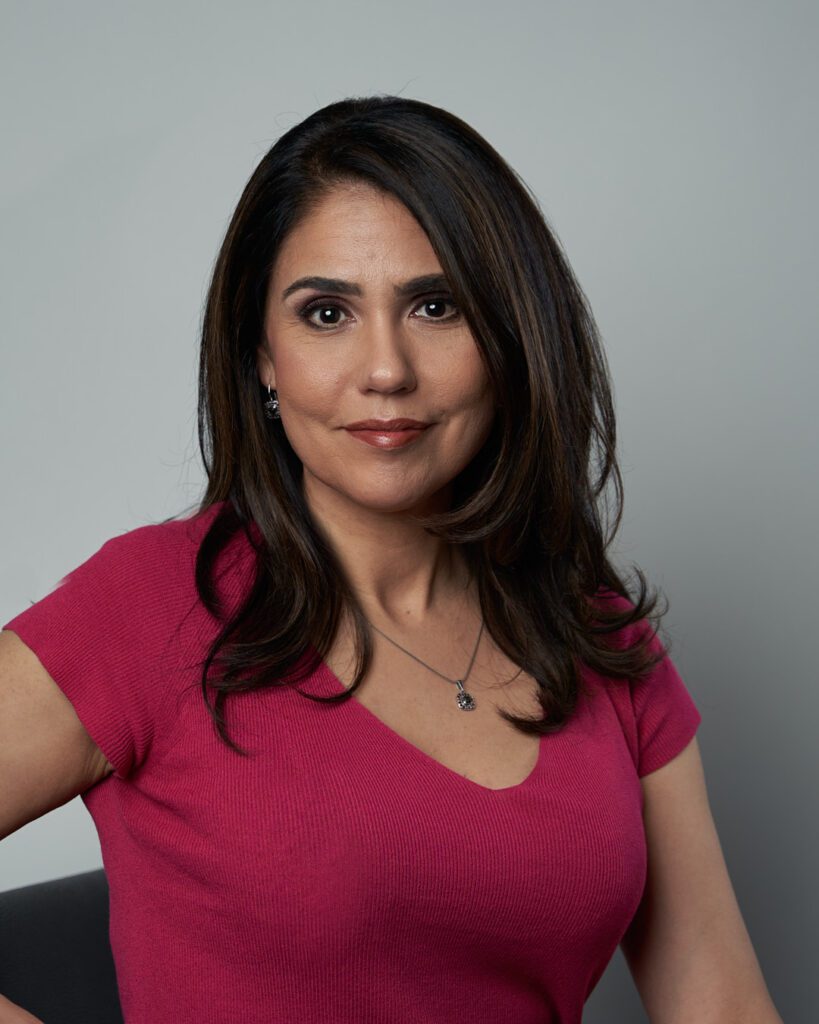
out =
column 482, row 405
column 467, row 391
column 308, row 387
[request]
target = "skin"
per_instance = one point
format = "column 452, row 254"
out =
column 375, row 355
column 387, row 357
column 687, row 948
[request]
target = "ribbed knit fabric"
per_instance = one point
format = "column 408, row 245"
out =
column 338, row 874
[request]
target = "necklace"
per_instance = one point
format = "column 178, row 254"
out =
column 466, row 702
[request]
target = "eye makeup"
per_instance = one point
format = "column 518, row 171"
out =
column 306, row 311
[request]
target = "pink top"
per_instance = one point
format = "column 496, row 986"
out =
column 339, row 873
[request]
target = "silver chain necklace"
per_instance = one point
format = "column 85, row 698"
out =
column 466, row 702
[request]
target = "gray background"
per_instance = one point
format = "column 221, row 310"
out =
column 673, row 150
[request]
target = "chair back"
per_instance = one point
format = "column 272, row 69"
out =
column 55, row 958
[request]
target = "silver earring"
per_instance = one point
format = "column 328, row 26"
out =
column 271, row 405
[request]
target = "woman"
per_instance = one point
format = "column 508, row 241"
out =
column 378, row 734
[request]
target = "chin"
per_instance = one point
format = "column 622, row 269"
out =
column 388, row 503
column 380, row 493
column 389, row 498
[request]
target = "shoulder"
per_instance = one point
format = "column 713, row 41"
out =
column 144, row 574
column 156, row 568
column 608, row 600
column 179, row 535
column 656, row 709
column 633, row 631
column 155, row 556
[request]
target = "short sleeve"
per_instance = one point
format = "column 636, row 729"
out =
column 665, row 714
column 659, row 716
column 104, row 634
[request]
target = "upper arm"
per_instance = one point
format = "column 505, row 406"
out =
column 687, row 947
column 46, row 755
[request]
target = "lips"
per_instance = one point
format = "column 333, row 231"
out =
column 387, row 433
column 384, row 426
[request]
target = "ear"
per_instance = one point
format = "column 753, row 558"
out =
column 265, row 367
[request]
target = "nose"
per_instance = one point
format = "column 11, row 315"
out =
column 386, row 358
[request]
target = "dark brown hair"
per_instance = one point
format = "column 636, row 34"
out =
column 530, row 509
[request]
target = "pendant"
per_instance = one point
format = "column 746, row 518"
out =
column 466, row 702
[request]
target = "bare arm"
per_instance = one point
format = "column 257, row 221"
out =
column 687, row 948
column 46, row 755
column 11, row 1013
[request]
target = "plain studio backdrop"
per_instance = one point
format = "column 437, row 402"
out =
column 673, row 151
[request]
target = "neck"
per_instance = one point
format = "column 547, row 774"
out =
column 401, row 574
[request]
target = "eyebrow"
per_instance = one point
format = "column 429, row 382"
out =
column 426, row 283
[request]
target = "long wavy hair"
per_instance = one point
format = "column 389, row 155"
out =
column 530, row 511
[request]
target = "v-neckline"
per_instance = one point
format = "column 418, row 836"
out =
column 339, row 687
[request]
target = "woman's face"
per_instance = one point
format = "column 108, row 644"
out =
column 377, row 339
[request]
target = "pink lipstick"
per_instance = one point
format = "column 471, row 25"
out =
column 387, row 433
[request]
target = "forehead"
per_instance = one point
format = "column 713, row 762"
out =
column 360, row 228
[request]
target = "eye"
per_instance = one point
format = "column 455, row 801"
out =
column 436, row 308
column 322, row 314
column 326, row 314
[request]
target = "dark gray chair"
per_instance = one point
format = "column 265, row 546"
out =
column 55, row 959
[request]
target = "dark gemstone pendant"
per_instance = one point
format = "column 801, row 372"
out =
column 466, row 702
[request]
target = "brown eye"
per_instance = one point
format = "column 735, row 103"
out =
column 435, row 309
column 322, row 314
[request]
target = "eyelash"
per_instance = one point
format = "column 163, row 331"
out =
column 315, row 304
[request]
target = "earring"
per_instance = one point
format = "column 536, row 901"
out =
column 271, row 405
